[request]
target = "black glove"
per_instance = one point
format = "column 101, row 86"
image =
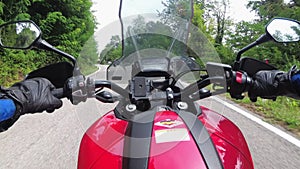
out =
column 272, row 83
column 30, row 96
column 34, row 95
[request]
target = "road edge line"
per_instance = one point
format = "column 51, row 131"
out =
column 259, row 121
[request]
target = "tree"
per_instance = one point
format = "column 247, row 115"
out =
column 266, row 10
column 112, row 51
column 88, row 57
column 216, row 15
column 66, row 24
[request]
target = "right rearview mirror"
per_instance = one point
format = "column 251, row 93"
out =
column 284, row 30
column 19, row 35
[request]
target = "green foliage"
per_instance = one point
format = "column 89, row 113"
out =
column 217, row 18
column 146, row 35
column 112, row 51
column 281, row 55
column 65, row 24
column 16, row 64
column 226, row 54
column 151, row 34
column 88, row 57
column 175, row 9
column 198, row 19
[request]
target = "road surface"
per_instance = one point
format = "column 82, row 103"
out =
column 52, row 140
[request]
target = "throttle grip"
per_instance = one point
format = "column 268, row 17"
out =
column 239, row 84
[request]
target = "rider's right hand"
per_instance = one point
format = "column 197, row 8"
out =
column 269, row 84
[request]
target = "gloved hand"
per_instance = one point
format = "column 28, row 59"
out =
column 34, row 95
column 269, row 84
column 30, row 96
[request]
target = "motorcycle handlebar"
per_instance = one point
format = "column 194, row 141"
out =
column 236, row 84
column 112, row 86
column 58, row 93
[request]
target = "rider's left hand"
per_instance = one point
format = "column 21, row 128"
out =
column 34, row 95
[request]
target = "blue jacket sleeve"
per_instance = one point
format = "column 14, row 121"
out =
column 296, row 82
column 7, row 109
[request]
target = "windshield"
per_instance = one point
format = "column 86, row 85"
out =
column 158, row 35
column 153, row 36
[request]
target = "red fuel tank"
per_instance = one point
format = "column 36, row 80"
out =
column 172, row 143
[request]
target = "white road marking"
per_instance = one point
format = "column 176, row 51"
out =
column 268, row 126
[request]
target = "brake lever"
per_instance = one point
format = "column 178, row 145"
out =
column 105, row 97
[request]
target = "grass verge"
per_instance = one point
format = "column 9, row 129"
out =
column 86, row 70
column 284, row 111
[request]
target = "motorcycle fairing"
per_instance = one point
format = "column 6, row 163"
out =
column 224, row 133
column 135, row 144
column 103, row 144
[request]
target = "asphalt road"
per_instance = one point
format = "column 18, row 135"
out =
column 52, row 140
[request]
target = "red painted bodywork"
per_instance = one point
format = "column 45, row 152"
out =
column 228, row 139
column 102, row 144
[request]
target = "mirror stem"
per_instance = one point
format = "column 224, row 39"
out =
column 42, row 44
column 263, row 38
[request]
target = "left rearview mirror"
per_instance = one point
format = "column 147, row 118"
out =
column 19, row 35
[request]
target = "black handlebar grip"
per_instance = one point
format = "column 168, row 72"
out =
column 58, row 93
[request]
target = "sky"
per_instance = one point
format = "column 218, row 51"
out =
column 107, row 10
column 239, row 12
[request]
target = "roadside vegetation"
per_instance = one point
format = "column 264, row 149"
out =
column 65, row 24
column 284, row 111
